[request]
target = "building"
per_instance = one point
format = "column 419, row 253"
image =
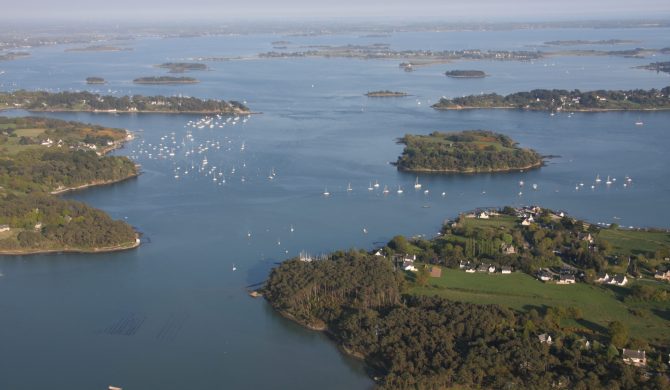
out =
column 408, row 265
column 634, row 357
column 492, row 269
column 483, row 215
column 566, row 279
column 506, row 269
column 602, row 278
column 508, row 249
column 658, row 275
column 545, row 339
column 544, row 275
column 618, row 280
column 470, row 269
column 525, row 222
column 483, row 268
column 4, row 228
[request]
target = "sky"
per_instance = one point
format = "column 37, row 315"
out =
column 430, row 10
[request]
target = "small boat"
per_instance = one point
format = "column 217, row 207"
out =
column 417, row 185
column 609, row 181
column 376, row 185
column 291, row 229
column 444, row 194
column 349, row 189
column 425, row 192
column 639, row 123
column 399, row 190
column 386, row 190
column 365, row 231
column 326, row 193
column 535, row 186
column 598, row 180
column 521, row 183
column 370, row 187
column 234, row 267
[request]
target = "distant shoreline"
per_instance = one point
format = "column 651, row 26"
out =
column 206, row 112
column 94, row 184
column 109, row 249
column 531, row 109
column 473, row 171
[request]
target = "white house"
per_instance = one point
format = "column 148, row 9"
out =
column 4, row 228
column 603, row 278
column 506, row 269
column 545, row 339
column 492, row 269
column 634, row 357
column 618, row 280
column 483, row 215
column 566, row 279
column 525, row 222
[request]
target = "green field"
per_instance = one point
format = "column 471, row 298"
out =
column 520, row 291
column 505, row 221
column 633, row 242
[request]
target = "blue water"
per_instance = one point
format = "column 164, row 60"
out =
column 173, row 313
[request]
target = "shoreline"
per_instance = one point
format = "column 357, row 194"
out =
column 236, row 112
column 93, row 184
column 109, row 249
column 471, row 171
column 456, row 108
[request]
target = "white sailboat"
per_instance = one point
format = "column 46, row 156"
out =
column 609, row 181
column 598, row 180
column 325, row 192
column 349, row 189
column 386, row 190
column 370, row 187
column 376, row 185
column 417, row 185
column 399, row 190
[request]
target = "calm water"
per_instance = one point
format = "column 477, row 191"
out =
column 173, row 314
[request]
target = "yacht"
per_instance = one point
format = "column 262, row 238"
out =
column 326, row 193
column 598, row 180
column 535, row 186
column 349, row 189
column 417, row 185
column 609, row 181
column 399, row 190
column 376, row 185
column 386, row 190
column 370, row 187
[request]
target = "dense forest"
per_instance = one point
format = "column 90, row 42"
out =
column 433, row 343
column 465, row 73
column 467, row 152
column 39, row 156
column 558, row 99
column 46, row 222
column 86, row 101
column 165, row 80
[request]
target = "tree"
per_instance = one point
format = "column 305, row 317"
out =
column 422, row 276
column 618, row 333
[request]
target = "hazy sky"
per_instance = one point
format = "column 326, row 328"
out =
column 449, row 10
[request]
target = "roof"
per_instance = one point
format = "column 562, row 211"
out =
column 435, row 272
column 633, row 354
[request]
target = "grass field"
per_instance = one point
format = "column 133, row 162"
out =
column 506, row 221
column 632, row 242
column 520, row 291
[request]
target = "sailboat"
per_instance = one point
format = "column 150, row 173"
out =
column 399, row 190
column 376, row 185
column 370, row 187
column 609, row 181
column 417, row 185
column 349, row 189
column 386, row 190
column 234, row 267
column 325, row 192
column 598, row 180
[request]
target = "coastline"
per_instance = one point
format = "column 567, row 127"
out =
column 548, row 110
column 473, row 171
column 206, row 112
column 116, row 248
column 93, row 184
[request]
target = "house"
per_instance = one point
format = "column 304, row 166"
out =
column 634, row 357
column 4, row 228
column 566, row 279
column 470, row 269
column 483, row 268
column 602, row 278
column 492, row 269
column 618, row 280
column 506, row 269
column 483, row 215
column 409, row 266
column 38, row 226
column 544, row 275
column 435, row 272
column 658, row 275
column 379, row 253
column 508, row 249
column 545, row 339
column 525, row 222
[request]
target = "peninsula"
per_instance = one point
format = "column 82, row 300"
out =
column 181, row 67
column 470, row 151
column 94, row 48
column 386, row 93
column 39, row 101
column 158, row 80
column 657, row 66
column 42, row 157
column 490, row 294
column 563, row 100
column 465, row 74
column 13, row 55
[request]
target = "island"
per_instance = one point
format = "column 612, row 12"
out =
column 419, row 318
column 563, row 100
column 386, row 93
column 40, row 101
column 13, row 55
column 657, row 66
column 465, row 74
column 470, row 151
column 95, row 80
column 181, row 67
column 40, row 158
column 160, row 80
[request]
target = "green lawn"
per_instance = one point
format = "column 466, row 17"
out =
column 520, row 291
column 630, row 242
column 506, row 221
